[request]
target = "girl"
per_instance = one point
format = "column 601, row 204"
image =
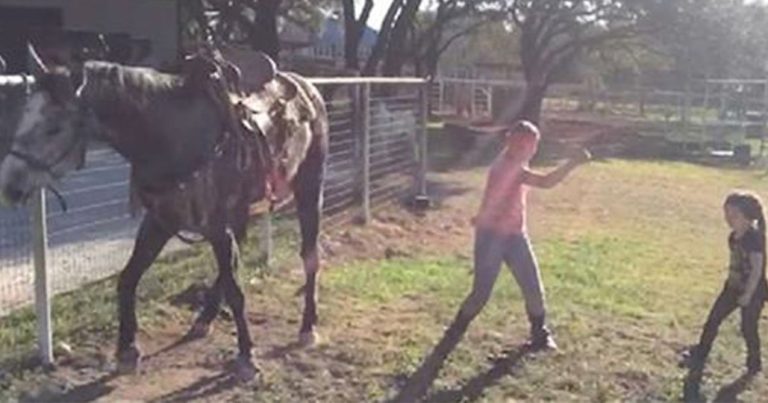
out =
column 745, row 287
column 501, row 231
column 500, row 237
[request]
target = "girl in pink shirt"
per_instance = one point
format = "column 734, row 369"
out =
column 500, row 237
column 501, row 233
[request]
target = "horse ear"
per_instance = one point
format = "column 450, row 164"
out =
column 36, row 65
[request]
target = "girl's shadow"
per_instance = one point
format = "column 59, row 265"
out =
column 727, row 394
column 473, row 389
column 730, row 393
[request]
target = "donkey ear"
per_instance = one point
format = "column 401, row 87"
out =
column 36, row 65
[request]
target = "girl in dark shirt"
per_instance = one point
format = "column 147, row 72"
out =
column 745, row 288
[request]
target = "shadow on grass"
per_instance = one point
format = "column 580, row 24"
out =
column 730, row 393
column 203, row 388
column 473, row 389
column 90, row 391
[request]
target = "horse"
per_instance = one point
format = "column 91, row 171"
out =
column 13, row 92
column 190, row 171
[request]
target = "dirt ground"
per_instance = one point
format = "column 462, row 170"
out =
column 197, row 370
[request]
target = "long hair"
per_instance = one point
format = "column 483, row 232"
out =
column 751, row 206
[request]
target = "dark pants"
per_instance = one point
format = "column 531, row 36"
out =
column 726, row 303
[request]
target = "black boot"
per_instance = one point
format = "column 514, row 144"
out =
column 541, row 337
column 692, row 358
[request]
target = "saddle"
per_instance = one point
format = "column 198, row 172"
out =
column 261, row 106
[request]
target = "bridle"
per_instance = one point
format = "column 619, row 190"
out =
column 78, row 145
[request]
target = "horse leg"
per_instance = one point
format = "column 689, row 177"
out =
column 227, row 257
column 308, row 193
column 149, row 242
column 211, row 305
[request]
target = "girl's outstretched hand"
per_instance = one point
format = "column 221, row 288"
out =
column 580, row 156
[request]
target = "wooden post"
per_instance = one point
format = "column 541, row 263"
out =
column 472, row 92
column 489, row 101
column 42, row 283
column 765, row 117
column 365, row 100
column 421, row 177
column 440, row 95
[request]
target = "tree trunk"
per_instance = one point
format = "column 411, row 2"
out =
column 533, row 102
column 383, row 39
column 351, row 36
column 397, row 52
column 264, row 35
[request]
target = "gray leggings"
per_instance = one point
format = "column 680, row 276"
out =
column 491, row 250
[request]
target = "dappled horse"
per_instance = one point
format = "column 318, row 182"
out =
column 202, row 150
column 13, row 93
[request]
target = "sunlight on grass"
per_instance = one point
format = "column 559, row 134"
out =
column 632, row 255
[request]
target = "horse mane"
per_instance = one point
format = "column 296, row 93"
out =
column 106, row 83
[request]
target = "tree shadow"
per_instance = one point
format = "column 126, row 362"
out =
column 204, row 387
column 281, row 351
column 474, row 388
column 730, row 393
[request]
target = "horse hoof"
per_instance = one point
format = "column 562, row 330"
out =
column 198, row 330
column 245, row 370
column 128, row 361
column 309, row 338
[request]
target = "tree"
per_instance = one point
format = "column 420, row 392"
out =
column 354, row 27
column 553, row 33
column 721, row 38
column 435, row 31
column 392, row 35
column 254, row 22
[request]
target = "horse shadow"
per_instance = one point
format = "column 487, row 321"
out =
column 90, row 391
column 473, row 389
column 205, row 387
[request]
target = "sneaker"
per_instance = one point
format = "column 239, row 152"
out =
column 688, row 358
column 541, row 343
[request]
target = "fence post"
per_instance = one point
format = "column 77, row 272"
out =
column 489, row 101
column 472, row 99
column 440, row 95
column 765, row 117
column 42, row 283
column 421, row 177
column 365, row 119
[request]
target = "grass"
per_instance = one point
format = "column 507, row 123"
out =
column 632, row 255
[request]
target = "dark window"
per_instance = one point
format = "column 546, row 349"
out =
column 16, row 24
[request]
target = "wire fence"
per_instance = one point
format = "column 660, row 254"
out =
column 373, row 159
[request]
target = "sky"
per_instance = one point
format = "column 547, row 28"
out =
column 377, row 13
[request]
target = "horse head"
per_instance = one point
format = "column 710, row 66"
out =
column 50, row 137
